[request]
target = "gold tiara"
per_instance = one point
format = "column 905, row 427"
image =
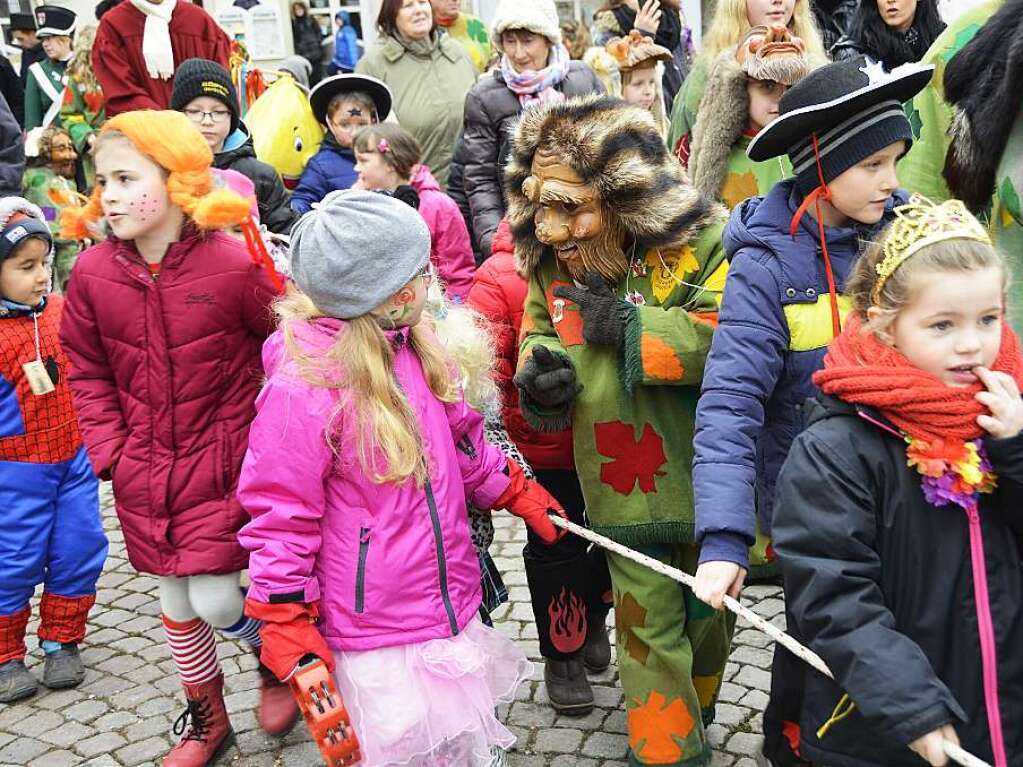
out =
column 920, row 223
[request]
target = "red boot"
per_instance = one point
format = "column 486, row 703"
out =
column 278, row 711
column 210, row 731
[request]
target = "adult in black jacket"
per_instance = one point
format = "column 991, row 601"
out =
column 12, row 89
column 879, row 583
column 834, row 19
column 308, row 39
column 492, row 107
column 203, row 90
column 23, row 35
column 894, row 32
column 12, row 153
column 456, row 191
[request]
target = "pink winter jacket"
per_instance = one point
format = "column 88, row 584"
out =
column 164, row 372
column 390, row 564
column 450, row 247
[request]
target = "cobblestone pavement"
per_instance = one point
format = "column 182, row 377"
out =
column 123, row 713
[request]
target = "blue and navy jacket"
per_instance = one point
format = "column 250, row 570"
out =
column 346, row 45
column 331, row 168
column 775, row 325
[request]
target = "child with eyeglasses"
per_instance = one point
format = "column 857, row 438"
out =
column 203, row 91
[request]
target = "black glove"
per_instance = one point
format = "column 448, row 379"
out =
column 603, row 322
column 548, row 378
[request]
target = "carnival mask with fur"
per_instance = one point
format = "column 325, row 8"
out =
column 572, row 221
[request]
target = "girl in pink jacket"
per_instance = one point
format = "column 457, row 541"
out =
column 388, row 157
column 361, row 459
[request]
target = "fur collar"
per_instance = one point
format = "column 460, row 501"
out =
column 721, row 119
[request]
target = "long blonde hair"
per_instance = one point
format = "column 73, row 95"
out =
column 361, row 362
column 79, row 68
column 730, row 24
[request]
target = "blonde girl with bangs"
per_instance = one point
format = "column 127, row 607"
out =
column 732, row 20
column 362, row 458
column 163, row 325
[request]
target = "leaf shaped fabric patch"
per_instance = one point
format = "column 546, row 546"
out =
column 654, row 727
column 634, row 461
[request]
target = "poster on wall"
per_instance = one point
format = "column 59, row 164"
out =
column 259, row 26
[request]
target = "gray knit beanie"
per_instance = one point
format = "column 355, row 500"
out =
column 356, row 249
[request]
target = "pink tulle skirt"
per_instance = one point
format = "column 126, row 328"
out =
column 432, row 704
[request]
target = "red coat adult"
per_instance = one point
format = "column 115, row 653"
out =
column 165, row 371
column 121, row 69
column 499, row 294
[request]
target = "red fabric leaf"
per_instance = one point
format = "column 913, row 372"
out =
column 634, row 461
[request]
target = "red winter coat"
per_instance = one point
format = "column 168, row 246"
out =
column 499, row 294
column 121, row 69
column 165, row 372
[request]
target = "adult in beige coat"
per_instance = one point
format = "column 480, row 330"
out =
column 429, row 74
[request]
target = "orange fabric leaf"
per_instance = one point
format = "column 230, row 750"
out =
column 659, row 359
column 654, row 725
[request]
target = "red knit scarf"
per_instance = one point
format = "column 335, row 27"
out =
column 859, row 368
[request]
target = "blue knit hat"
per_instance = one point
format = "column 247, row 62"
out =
column 20, row 220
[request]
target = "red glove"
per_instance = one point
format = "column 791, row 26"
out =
column 529, row 501
column 288, row 635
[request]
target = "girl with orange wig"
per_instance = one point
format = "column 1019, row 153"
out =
column 164, row 324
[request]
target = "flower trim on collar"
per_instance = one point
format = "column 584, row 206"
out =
column 951, row 473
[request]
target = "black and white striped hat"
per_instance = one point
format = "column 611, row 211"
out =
column 853, row 108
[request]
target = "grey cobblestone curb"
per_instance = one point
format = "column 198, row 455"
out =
column 121, row 716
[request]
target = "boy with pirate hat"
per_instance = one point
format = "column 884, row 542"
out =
column 343, row 104
column 843, row 129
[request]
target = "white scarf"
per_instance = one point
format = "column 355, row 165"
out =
column 156, row 42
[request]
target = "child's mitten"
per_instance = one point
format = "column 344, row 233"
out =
column 289, row 634
column 529, row 501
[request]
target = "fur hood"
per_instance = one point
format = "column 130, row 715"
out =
column 617, row 148
column 720, row 121
column 765, row 54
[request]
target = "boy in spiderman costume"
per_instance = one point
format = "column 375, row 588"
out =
column 49, row 496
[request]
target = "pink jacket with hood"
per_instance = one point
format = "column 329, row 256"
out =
column 389, row 564
column 450, row 246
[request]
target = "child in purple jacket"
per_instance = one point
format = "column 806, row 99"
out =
column 361, row 458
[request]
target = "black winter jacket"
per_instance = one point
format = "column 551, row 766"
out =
column 834, row 19
column 880, row 585
column 491, row 109
column 12, row 89
column 272, row 198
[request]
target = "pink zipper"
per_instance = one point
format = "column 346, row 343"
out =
column 988, row 654
column 985, row 625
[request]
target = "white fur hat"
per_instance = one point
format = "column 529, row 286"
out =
column 539, row 16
